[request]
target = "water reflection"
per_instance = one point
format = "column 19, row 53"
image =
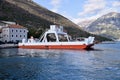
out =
column 8, row 52
column 39, row 53
column 71, row 57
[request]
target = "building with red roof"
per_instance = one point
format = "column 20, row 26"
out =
column 13, row 33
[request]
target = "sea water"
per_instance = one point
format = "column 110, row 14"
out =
column 102, row 63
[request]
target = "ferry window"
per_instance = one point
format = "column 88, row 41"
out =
column 62, row 37
column 51, row 37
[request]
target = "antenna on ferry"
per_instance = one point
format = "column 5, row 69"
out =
column 57, row 23
column 54, row 21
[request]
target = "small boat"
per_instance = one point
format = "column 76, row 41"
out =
column 56, row 38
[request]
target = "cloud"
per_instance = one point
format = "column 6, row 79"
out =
column 93, row 17
column 93, row 9
column 77, row 20
column 116, row 4
column 55, row 4
column 91, row 6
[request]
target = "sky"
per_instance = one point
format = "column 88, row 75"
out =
column 80, row 10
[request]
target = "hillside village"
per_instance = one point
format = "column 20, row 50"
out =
column 11, row 32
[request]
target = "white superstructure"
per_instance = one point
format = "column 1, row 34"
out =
column 56, row 38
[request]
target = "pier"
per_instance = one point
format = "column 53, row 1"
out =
column 2, row 46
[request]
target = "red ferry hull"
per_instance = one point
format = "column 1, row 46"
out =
column 56, row 46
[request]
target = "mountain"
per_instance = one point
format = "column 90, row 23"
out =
column 37, row 18
column 84, row 24
column 107, row 25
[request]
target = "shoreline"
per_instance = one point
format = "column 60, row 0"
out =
column 4, row 46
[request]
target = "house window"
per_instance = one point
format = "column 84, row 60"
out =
column 12, row 30
column 24, row 35
column 20, row 35
column 24, row 30
column 20, row 31
column 12, row 35
column 16, row 36
column 5, row 40
column 16, row 30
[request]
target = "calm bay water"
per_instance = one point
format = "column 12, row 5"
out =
column 103, row 63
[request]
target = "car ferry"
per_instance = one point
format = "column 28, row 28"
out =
column 56, row 38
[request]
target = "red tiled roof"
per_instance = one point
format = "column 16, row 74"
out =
column 15, row 26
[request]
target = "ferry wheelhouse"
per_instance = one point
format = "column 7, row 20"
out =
column 56, row 38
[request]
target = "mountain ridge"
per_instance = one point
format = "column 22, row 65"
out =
column 37, row 18
column 107, row 25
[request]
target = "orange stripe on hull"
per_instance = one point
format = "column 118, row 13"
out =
column 57, row 47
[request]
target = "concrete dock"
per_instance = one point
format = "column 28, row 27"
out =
column 2, row 46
